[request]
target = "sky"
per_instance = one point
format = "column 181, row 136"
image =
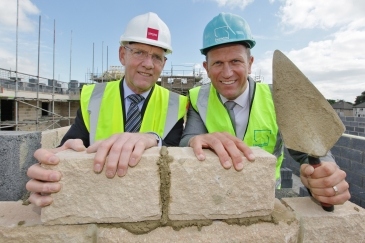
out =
column 324, row 39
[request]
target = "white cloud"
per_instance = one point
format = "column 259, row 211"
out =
column 233, row 3
column 8, row 13
column 310, row 14
column 335, row 64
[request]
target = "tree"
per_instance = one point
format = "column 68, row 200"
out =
column 360, row 99
column 331, row 101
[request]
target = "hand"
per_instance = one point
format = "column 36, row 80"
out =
column 122, row 150
column 44, row 181
column 228, row 148
column 321, row 180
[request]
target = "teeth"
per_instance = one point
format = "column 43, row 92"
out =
column 145, row 74
column 228, row 82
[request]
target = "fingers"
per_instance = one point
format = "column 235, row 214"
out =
column 120, row 151
column 43, row 187
column 228, row 148
column 45, row 156
column 75, row 144
column 326, row 182
column 41, row 174
column 40, row 201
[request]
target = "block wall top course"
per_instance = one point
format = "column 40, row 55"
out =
column 181, row 189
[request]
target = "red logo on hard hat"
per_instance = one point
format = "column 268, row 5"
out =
column 152, row 34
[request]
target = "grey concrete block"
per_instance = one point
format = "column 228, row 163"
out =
column 358, row 144
column 303, row 192
column 287, row 183
column 358, row 168
column 351, row 154
column 16, row 155
column 354, row 178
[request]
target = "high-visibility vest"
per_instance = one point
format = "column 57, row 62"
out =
column 262, row 129
column 102, row 110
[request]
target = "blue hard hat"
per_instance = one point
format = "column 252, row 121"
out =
column 226, row 28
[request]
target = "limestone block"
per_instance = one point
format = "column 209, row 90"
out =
column 19, row 223
column 52, row 138
column 88, row 197
column 285, row 229
column 49, row 139
column 205, row 190
column 345, row 224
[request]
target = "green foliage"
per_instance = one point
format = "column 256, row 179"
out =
column 360, row 99
column 331, row 101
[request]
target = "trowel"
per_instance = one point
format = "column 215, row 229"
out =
column 306, row 120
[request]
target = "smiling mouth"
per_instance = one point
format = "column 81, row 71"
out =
column 228, row 82
column 145, row 74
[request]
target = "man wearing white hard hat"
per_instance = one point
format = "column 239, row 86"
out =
column 120, row 119
column 243, row 112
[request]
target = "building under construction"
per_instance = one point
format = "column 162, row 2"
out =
column 31, row 103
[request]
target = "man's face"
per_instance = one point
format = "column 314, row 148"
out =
column 141, row 72
column 228, row 67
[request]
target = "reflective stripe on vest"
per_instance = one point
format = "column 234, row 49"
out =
column 262, row 130
column 103, row 114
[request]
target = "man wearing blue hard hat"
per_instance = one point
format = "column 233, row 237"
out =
column 233, row 112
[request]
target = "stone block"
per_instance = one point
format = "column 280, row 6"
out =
column 20, row 223
column 284, row 229
column 52, row 138
column 87, row 197
column 345, row 224
column 205, row 190
column 16, row 156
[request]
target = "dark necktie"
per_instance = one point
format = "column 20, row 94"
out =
column 230, row 105
column 134, row 119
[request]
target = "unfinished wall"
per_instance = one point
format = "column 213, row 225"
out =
column 170, row 196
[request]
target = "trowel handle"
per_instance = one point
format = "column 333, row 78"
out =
column 315, row 162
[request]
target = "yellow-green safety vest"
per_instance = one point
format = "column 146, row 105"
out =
column 262, row 129
column 103, row 113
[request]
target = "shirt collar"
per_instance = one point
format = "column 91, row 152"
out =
column 241, row 100
column 128, row 91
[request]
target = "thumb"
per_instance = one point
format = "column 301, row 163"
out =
column 306, row 170
column 74, row 144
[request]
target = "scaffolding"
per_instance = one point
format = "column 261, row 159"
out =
column 24, row 88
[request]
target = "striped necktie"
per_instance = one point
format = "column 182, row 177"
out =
column 134, row 119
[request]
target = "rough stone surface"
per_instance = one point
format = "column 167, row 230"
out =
column 345, row 224
column 52, row 138
column 205, row 190
column 19, row 223
column 16, row 155
column 87, row 197
column 285, row 229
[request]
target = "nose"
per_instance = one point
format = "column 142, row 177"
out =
column 148, row 62
column 227, row 70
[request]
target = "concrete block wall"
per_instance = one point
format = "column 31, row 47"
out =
column 16, row 156
column 354, row 125
column 170, row 196
column 349, row 153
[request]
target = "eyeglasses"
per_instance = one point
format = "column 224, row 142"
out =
column 142, row 55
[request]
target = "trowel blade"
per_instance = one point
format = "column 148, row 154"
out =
column 305, row 118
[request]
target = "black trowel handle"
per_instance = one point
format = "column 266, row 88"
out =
column 315, row 162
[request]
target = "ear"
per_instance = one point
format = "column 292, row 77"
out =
column 205, row 65
column 250, row 64
column 122, row 55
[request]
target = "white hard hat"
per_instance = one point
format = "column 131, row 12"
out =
column 147, row 29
